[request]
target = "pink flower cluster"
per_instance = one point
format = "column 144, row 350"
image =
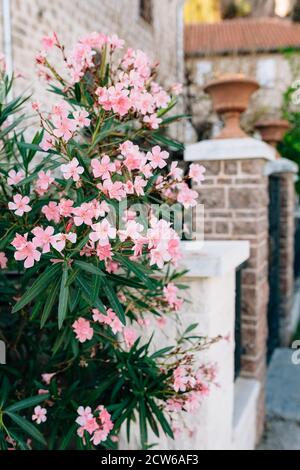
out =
column 43, row 239
column 170, row 293
column 97, row 424
column 85, row 332
column 194, row 386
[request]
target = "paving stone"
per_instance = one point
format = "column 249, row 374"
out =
column 283, row 386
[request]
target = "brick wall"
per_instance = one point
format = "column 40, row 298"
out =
column 31, row 19
column 235, row 198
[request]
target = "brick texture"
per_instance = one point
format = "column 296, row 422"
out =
column 236, row 208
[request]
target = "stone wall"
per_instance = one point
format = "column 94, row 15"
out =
column 273, row 71
column 235, row 197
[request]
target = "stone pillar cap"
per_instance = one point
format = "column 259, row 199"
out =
column 213, row 258
column 281, row 165
column 229, row 149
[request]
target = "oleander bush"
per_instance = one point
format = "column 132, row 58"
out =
column 89, row 265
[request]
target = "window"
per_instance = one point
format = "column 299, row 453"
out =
column 146, row 10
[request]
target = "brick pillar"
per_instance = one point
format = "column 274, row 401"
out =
column 286, row 170
column 235, row 198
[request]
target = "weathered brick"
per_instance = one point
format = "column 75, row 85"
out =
column 247, row 198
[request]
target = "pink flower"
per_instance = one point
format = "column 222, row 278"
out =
column 43, row 238
column 176, row 89
column 15, row 177
column 102, row 168
column 20, row 205
column 28, row 253
column 102, row 231
column 64, row 128
column 186, row 196
column 83, row 330
column 59, row 241
column 44, row 181
column 39, row 415
column 115, row 190
column 3, row 260
column 51, row 212
column 196, row 173
column 115, row 42
column 132, row 231
column 97, row 424
column 81, row 118
column 139, row 184
column 60, row 110
column 84, row 415
column 84, row 214
column 49, row 41
column 65, row 207
column 134, row 158
column 48, row 142
column 157, row 157
column 161, row 322
column 170, row 294
column 109, row 319
column 48, row 377
column 72, row 170
column 161, row 99
column 176, row 172
column 104, row 252
column 19, row 241
column 130, row 336
column 36, row 105
column 153, row 121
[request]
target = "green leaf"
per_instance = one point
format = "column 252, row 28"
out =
column 27, row 403
column 41, row 283
column 49, row 304
column 87, row 290
column 114, row 302
column 138, row 271
column 161, row 418
column 68, row 436
column 63, row 297
column 89, row 268
column 143, row 423
column 161, row 352
column 27, row 427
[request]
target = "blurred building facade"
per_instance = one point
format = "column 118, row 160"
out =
column 254, row 47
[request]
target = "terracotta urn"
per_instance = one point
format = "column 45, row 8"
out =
column 230, row 96
column 272, row 131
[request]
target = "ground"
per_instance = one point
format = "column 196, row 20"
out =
column 283, row 403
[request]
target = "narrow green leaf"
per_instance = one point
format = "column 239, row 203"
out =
column 27, row 403
column 63, row 297
column 27, row 427
column 114, row 302
column 37, row 287
column 49, row 303
column 89, row 268
column 161, row 418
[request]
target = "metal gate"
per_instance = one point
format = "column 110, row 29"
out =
column 274, row 265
